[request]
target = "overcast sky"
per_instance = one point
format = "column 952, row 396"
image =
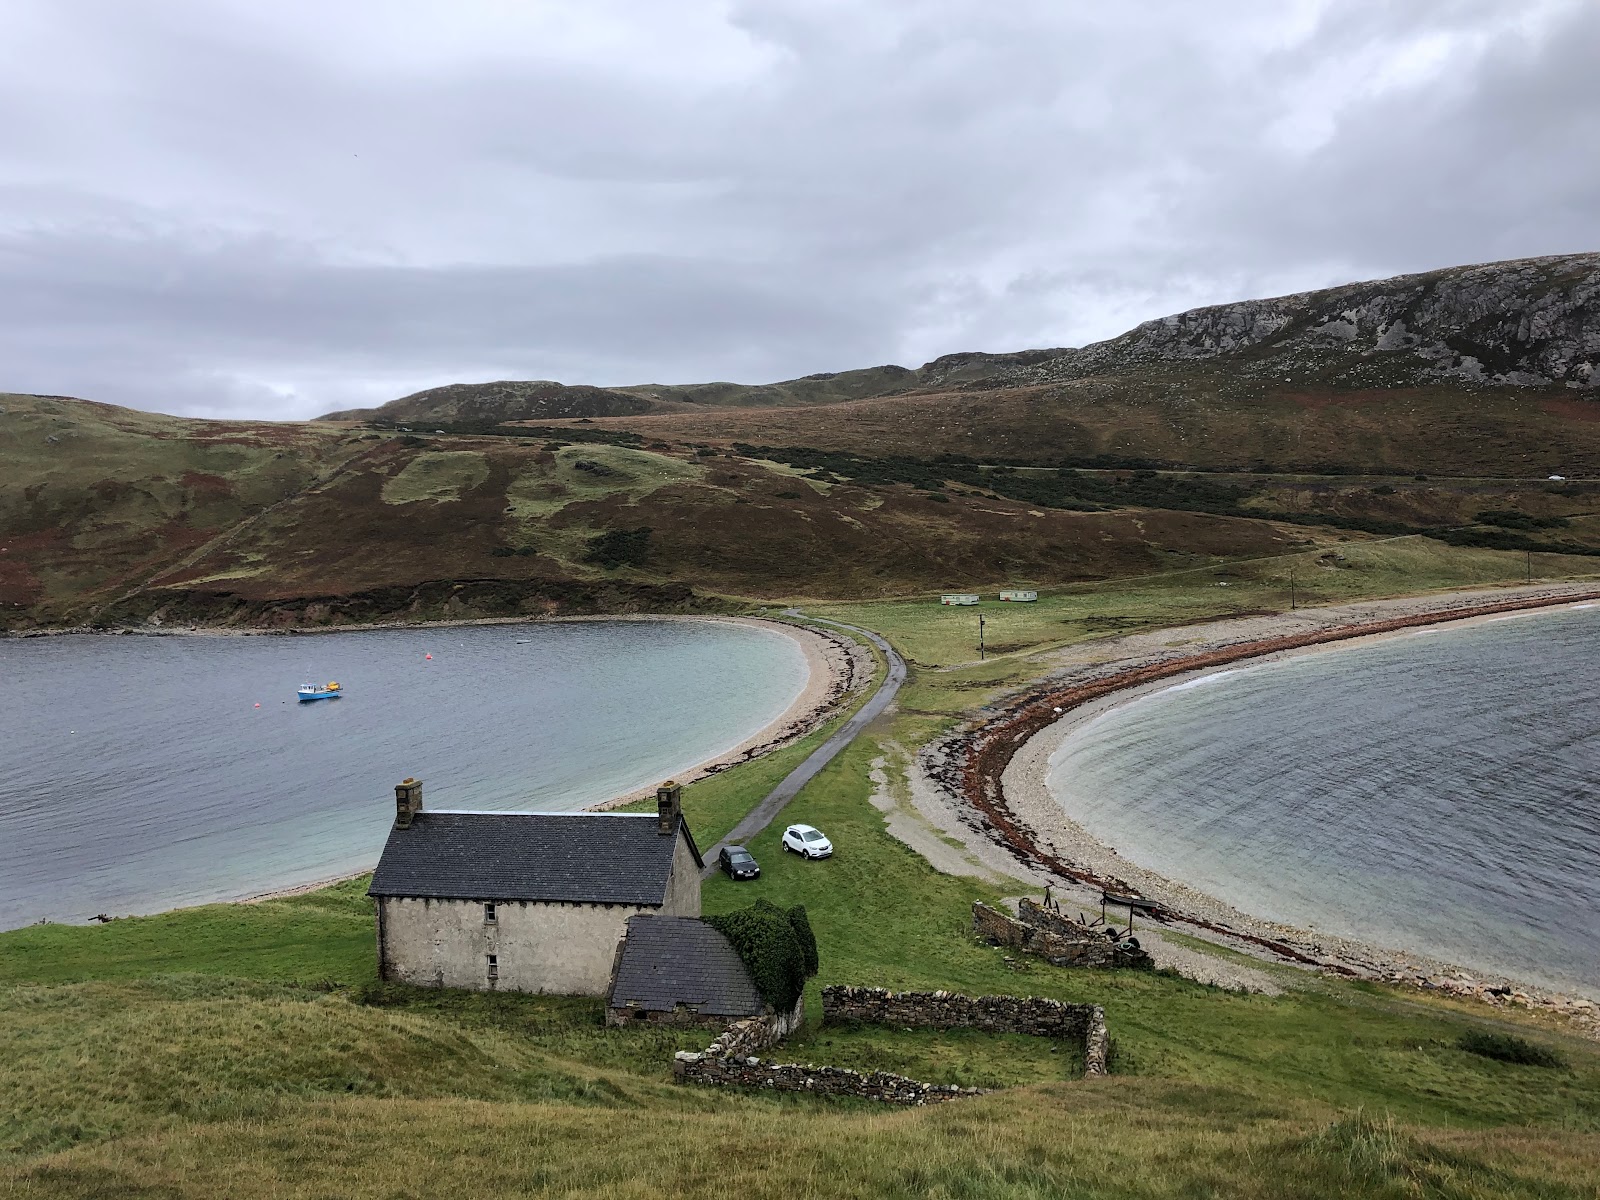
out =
column 233, row 208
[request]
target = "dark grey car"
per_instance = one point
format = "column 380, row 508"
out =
column 739, row 863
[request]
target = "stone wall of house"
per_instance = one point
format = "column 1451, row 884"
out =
column 751, row 1072
column 681, row 1017
column 1063, row 943
column 564, row 948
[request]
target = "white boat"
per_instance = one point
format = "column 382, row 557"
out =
column 320, row 691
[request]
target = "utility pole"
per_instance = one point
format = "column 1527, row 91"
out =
column 980, row 637
column 1530, row 566
column 1291, row 587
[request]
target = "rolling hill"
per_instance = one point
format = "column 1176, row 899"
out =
column 1434, row 404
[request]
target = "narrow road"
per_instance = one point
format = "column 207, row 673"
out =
column 761, row 816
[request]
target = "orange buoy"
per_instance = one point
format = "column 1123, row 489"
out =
column 429, row 656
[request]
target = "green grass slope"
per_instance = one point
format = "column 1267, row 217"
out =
column 246, row 1050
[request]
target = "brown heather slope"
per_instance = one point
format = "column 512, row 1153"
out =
column 1479, row 370
column 1196, row 417
column 490, row 527
column 1483, row 379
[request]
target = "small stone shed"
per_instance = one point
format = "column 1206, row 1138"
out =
column 525, row 901
column 679, row 971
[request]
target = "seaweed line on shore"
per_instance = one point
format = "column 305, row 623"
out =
column 969, row 765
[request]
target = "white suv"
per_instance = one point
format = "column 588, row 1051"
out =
column 806, row 840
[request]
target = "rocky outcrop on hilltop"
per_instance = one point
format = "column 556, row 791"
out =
column 1526, row 323
column 1531, row 322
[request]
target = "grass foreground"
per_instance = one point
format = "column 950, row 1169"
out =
column 248, row 1050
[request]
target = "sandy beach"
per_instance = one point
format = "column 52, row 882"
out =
column 1026, row 832
column 836, row 669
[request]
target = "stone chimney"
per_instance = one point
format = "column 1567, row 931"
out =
column 407, row 802
column 669, row 807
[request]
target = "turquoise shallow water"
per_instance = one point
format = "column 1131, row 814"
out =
column 1438, row 792
column 139, row 776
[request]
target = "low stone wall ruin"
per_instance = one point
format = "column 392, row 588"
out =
column 1080, row 1023
column 744, row 1038
column 751, row 1072
column 1063, row 943
column 730, row 1061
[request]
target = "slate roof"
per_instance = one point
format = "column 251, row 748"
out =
column 597, row 858
column 668, row 961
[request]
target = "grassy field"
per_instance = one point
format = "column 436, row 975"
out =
column 248, row 1049
column 245, row 1050
column 935, row 636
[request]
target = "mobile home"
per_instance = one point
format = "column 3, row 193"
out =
column 958, row 598
column 1020, row 596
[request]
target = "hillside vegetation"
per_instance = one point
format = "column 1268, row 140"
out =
column 1406, row 406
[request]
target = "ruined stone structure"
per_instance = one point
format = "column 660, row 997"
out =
column 1083, row 1024
column 520, row 901
column 731, row 1061
column 1063, row 943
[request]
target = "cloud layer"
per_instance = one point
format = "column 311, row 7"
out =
column 220, row 207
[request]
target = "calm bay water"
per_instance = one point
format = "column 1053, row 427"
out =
column 1438, row 792
column 139, row 775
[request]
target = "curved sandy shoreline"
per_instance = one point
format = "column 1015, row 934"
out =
column 834, row 672
column 1037, row 820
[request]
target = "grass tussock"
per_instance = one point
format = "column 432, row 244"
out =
column 1509, row 1048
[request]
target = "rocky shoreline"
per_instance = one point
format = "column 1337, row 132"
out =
column 991, row 776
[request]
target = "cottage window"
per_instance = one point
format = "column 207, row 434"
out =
column 489, row 915
column 494, row 967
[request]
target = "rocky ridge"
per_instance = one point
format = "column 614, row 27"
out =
column 1526, row 323
column 1531, row 322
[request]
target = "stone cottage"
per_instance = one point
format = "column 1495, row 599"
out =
column 680, row 971
column 525, row 901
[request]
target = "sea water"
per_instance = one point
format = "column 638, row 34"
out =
column 142, row 773
column 1438, row 791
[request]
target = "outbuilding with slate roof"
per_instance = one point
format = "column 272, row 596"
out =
column 525, row 901
column 680, row 971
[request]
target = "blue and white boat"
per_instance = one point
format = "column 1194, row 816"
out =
column 320, row 691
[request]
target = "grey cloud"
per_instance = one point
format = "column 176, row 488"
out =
column 238, row 209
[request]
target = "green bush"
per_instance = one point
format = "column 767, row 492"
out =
column 801, row 924
column 1508, row 1048
column 1510, row 518
column 776, row 945
column 620, row 548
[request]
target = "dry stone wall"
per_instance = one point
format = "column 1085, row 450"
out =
column 730, row 1061
column 744, row 1038
column 751, row 1072
column 946, row 1010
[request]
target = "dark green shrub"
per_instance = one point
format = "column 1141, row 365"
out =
column 620, row 548
column 1508, row 1048
column 776, row 945
column 801, row 924
column 1510, row 518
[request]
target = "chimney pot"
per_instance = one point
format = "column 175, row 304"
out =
column 407, row 801
column 669, row 806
